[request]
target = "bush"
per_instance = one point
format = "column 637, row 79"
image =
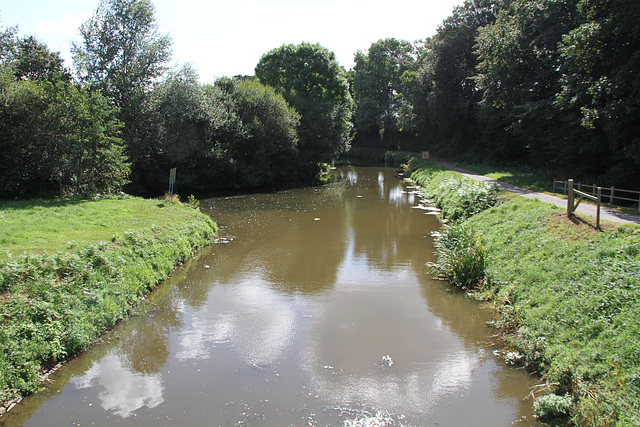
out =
column 461, row 259
column 552, row 408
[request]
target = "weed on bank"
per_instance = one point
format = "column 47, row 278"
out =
column 567, row 301
column 53, row 305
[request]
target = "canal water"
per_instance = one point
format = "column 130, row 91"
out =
column 318, row 310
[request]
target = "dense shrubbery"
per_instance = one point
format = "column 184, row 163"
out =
column 461, row 257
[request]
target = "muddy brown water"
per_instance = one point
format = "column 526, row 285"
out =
column 320, row 311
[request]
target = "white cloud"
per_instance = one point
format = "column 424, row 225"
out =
column 63, row 25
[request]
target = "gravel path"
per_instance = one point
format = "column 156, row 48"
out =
column 587, row 209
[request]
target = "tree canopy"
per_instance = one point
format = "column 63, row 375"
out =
column 381, row 83
column 55, row 138
column 312, row 81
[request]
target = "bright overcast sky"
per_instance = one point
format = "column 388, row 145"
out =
column 228, row 37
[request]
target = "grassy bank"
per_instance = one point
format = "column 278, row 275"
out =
column 70, row 270
column 567, row 301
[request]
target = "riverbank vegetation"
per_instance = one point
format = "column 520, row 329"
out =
column 57, row 296
column 566, row 298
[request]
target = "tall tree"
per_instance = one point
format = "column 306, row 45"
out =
column 518, row 74
column 265, row 151
column 56, row 139
column 182, row 124
column 33, row 60
column 601, row 88
column 379, row 81
column 447, row 110
column 312, row 81
column 122, row 54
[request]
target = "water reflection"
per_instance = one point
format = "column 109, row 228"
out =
column 254, row 320
column 121, row 390
column 352, row 176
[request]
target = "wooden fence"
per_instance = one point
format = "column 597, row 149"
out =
column 572, row 205
column 609, row 195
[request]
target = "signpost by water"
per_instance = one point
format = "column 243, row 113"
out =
column 172, row 181
column 426, row 155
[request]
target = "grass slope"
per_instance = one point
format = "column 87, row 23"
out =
column 567, row 299
column 57, row 298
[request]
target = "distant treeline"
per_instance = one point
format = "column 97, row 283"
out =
column 547, row 83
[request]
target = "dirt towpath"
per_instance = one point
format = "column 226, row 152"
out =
column 587, row 209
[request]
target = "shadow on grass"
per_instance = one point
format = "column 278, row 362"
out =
column 40, row 203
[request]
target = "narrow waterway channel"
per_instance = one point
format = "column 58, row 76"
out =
column 319, row 311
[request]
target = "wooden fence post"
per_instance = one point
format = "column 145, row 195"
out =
column 612, row 190
column 570, row 198
column 599, row 199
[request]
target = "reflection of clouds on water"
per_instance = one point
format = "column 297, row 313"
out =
column 400, row 197
column 256, row 321
column 124, row 391
column 195, row 341
column 416, row 391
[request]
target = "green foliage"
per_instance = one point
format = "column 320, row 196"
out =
column 265, row 151
column 312, row 81
column 461, row 258
column 193, row 203
column 458, row 197
column 381, row 81
column 121, row 52
column 552, row 408
column 54, row 306
column 519, row 75
column 448, row 96
column 58, row 139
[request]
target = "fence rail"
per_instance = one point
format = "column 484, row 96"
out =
column 609, row 195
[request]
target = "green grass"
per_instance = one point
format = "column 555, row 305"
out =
column 567, row 299
column 47, row 226
column 56, row 298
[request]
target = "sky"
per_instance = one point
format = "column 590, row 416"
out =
column 228, row 37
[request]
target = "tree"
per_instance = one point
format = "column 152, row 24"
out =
column 58, row 139
column 448, row 106
column 266, row 150
column 182, row 124
column 122, row 54
column 7, row 43
column 518, row 75
column 312, row 81
column 380, row 82
column 34, row 61
column 600, row 88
